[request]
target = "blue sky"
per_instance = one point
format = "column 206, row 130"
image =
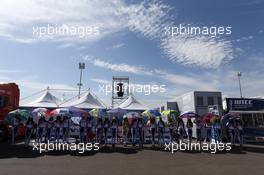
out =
column 130, row 43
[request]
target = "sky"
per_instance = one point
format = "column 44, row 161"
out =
column 129, row 38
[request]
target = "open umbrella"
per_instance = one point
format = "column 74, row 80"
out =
column 38, row 112
column 170, row 113
column 189, row 115
column 151, row 113
column 59, row 111
column 131, row 115
column 77, row 112
column 98, row 112
column 117, row 112
column 208, row 117
column 22, row 114
column 229, row 116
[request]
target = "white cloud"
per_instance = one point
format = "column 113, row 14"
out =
column 10, row 71
column 123, row 67
column 116, row 46
column 147, row 18
column 100, row 81
column 198, row 50
column 190, row 81
column 176, row 84
column 245, row 38
column 19, row 17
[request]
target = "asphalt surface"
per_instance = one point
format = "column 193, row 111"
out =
column 125, row 161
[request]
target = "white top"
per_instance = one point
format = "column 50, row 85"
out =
column 114, row 126
column 134, row 125
column 89, row 124
column 57, row 124
column 42, row 124
column 181, row 125
column 153, row 126
column 140, row 125
column 161, row 125
column 66, row 123
column 15, row 122
column 29, row 126
column 99, row 125
column 83, row 123
column 106, row 125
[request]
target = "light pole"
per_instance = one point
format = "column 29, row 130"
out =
column 239, row 74
column 81, row 67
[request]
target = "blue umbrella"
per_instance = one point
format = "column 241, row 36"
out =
column 189, row 114
column 151, row 113
column 117, row 111
column 98, row 113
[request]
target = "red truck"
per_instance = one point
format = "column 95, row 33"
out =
column 9, row 101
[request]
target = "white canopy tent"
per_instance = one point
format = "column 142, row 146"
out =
column 87, row 101
column 47, row 100
column 133, row 104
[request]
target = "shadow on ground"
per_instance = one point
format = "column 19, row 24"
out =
column 20, row 151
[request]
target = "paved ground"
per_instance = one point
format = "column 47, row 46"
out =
column 126, row 161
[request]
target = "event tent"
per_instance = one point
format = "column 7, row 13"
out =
column 87, row 101
column 133, row 104
column 47, row 100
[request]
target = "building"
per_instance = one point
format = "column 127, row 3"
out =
column 170, row 105
column 200, row 102
column 251, row 111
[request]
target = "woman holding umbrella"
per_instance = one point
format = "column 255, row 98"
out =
column 125, row 127
column 231, row 130
column 41, row 128
column 218, row 130
column 99, row 126
column 106, row 126
column 171, row 129
column 161, row 126
column 199, row 126
column 134, row 129
column 239, row 130
column 50, row 125
column 83, row 130
column 152, row 124
column 208, row 127
column 58, row 126
column 114, row 127
column 189, row 126
column 140, row 126
column 15, row 127
column 89, row 128
column 66, row 126
column 29, row 130
column 180, row 129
